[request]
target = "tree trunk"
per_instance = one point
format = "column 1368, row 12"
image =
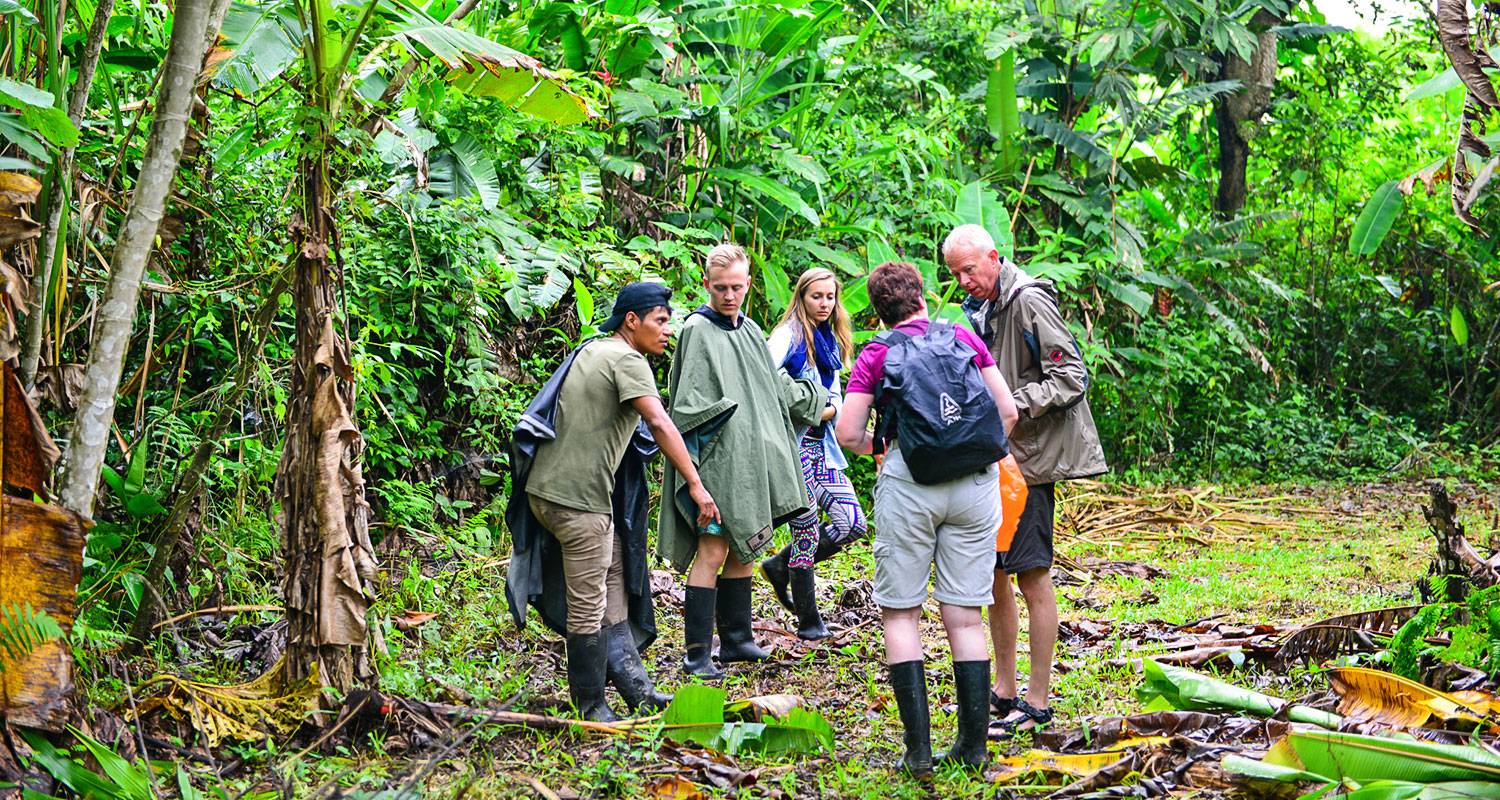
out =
column 1233, row 111
column 330, row 565
column 57, row 201
column 133, row 248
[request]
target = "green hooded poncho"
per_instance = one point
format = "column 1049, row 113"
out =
column 736, row 411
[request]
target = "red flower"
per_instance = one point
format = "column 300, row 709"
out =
column 604, row 75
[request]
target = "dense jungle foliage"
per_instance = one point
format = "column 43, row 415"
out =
column 1317, row 312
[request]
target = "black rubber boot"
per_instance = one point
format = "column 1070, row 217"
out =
column 805, row 605
column 586, row 664
column 628, row 674
column 971, row 684
column 910, row 685
column 736, row 637
column 775, row 569
column 827, row 547
column 698, row 606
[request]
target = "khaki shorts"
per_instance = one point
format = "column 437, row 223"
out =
column 949, row 524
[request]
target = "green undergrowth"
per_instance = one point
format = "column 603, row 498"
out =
column 471, row 653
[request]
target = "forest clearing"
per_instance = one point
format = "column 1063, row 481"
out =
column 752, row 398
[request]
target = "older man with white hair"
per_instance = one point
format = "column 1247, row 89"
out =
column 1017, row 317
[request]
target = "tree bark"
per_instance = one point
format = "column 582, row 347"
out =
column 57, row 201
column 330, row 564
column 133, row 248
column 1232, row 111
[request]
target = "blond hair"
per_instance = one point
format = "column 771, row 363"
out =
column 796, row 313
column 725, row 255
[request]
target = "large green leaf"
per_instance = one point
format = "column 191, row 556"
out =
column 977, row 204
column 265, row 40
column 779, row 192
column 1184, row 689
column 1362, row 758
column 878, row 251
column 476, row 170
column 844, row 262
column 1443, row 82
column 479, row 66
column 1444, row 790
column 696, row 714
column 22, row 95
column 9, row 7
column 1459, row 326
column 1376, row 219
column 39, row 112
column 1075, row 142
column 15, row 130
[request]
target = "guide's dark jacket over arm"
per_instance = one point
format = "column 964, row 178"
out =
column 536, row 571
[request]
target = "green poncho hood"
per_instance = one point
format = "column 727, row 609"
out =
column 736, row 411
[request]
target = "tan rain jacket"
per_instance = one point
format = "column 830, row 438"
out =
column 1055, row 438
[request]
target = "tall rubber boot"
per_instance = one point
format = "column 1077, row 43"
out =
column 628, row 674
column 778, row 573
column 971, row 683
column 698, row 605
column 810, row 625
column 910, row 686
column 775, row 569
column 736, row 637
column 586, row 664
column 827, row 547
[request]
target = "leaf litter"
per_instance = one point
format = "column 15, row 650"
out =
column 1194, row 734
column 1372, row 734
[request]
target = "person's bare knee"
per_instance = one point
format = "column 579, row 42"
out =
column 1036, row 585
column 712, row 550
column 733, row 567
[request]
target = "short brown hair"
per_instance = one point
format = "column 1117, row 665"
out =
column 895, row 290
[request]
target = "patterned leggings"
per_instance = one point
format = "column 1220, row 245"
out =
column 831, row 492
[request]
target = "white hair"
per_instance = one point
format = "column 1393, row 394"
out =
column 968, row 236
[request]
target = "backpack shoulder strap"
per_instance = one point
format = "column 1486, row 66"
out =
column 1020, row 290
column 891, row 338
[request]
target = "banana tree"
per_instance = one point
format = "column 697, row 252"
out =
column 330, row 570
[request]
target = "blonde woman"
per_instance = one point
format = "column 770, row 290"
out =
column 814, row 340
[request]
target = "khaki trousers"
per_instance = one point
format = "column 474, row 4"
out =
column 592, row 564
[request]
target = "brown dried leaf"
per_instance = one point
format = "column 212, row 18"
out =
column 41, row 559
column 673, row 787
column 411, row 620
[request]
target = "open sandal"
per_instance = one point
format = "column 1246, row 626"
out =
column 1001, row 705
column 1032, row 718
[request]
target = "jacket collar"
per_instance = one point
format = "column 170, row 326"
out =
column 719, row 319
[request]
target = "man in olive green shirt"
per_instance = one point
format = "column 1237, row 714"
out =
column 606, row 392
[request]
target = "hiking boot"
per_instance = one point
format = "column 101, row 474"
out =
column 805, row 605
column 586, row 663
column 910, row 686
column 971, row 684
column 775, row 569
column 628, row 674
column 736, row 637
column 698, row 605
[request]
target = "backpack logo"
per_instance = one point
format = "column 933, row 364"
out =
column 949, row 409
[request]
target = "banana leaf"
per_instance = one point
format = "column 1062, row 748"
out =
column 1403, row 790
column 777, row 725
column 1380, row 765
column 1187, row 690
